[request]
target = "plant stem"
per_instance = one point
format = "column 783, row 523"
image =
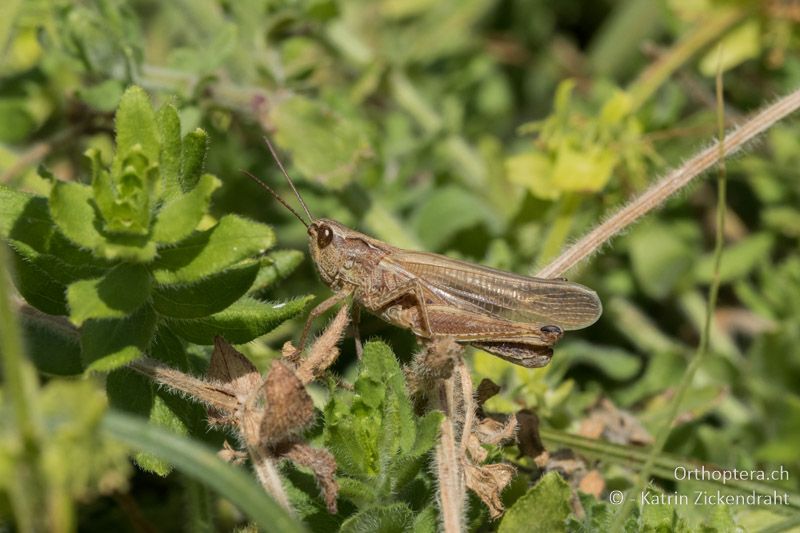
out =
column 673, row 182
column 28, row 493
column 702, row 348
column 449, row 466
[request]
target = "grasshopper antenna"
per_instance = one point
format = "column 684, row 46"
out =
column 286, row 174
column 277, row 197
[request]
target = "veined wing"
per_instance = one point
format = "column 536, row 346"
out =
column 503, row 294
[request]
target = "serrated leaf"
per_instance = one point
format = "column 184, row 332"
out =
column 169, row 129
column 207, row 296
column 395, row 518
column 135, row 123
column 179, row 216
column 241, row 322
column 112, row 343
column 276, row 266
column 53, row 346
column 325, row 145
column 193, row 158
column 119, row 293
column 208, row 252
column 425, row 521
column 548, row 501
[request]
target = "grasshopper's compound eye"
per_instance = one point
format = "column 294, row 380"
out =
column 324, row 236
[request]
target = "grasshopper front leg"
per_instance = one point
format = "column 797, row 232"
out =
column 319, row 311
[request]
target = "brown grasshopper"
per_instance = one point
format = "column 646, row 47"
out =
column 517, row 318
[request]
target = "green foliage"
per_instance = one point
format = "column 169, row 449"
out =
column 543, row 508
column 402, row 119
column 379, row 445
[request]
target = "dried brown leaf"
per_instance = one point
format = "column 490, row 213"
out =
column 592, row 483
column 528, row 440
column 495, row 432
column 488, row 482
column 486, row 389
column 615, row 425
column 289, row 409
column 321, row 462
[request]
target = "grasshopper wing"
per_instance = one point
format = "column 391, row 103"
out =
column 505, row 295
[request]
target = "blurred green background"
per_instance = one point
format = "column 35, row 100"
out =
column 496, row 131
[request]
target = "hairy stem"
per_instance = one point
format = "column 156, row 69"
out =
column 453, row 400
column 673, row 182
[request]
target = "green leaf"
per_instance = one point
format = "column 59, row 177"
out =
column 135, row 123
column 179, row 216
column 112, row 343
column 53, row 346
column 201, row 463
column 119, row 293
column 241, row 322
column 71, row 206
column 660, row 257
column 193, row 160
column 326, row 146
column 616, row 363
column 207, row 296
column 548, row 502
column 16, row 122
column 395, row 518
column 73, row 211
column 276, row 266
column 208, row 252
column 22, row 212
column 425, row 521
column 160, row 415
column 738, row 260
column 104, row 96
column 34, row 280
column 360, row 493
column 427, row 433
column 169, row 128
column 448, row 211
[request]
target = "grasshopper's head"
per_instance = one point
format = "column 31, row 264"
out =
column 326, row 242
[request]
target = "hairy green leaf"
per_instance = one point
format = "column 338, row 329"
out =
column 207, row 296
column 72, row 209
column 135, row 123
column 276, row 266
column 241, row 322
column 548, row 501
column 208, row 252
column 111, row 343
column 119, row 293
column 179, row 216
column 169, row 128
column 394, row 518
column 193, row 159
column 53, row 346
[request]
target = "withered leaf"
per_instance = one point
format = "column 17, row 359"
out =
column 528, row 439
column 235, row 374
column 289, row 409
column 322, row 463
column 607, row 421
column 488, row 482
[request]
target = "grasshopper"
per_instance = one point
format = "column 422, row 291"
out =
column 517, row 318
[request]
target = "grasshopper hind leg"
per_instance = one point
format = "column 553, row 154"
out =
column 520, row 353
